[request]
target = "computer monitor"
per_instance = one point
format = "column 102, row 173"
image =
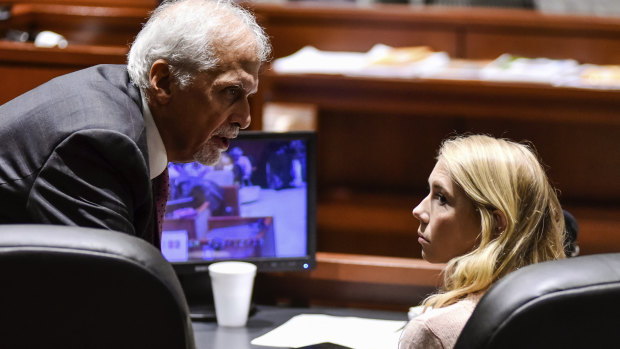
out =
column 258, row 204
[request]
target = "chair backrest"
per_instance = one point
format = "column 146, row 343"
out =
column 569, row 303
column 73, row 287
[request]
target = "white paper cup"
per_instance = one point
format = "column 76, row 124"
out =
column 232, row 284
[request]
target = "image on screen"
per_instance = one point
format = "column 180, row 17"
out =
column 252, row 205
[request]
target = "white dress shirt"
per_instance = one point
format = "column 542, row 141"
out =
column 158, row 159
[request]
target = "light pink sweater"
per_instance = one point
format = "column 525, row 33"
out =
column 438, row 328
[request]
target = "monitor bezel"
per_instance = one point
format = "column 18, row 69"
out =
column 275, row 264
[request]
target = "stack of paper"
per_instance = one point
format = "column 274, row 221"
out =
column 422, row 62
column 523, row 69
column 353, row 332
column 381, row 60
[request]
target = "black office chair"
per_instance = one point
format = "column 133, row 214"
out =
column 73, row 287
column 569, row 303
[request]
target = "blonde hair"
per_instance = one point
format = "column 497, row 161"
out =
column 498, row 174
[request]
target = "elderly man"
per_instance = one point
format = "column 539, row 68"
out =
column 85, row 148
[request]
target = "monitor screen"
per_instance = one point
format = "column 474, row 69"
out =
column 258, row 204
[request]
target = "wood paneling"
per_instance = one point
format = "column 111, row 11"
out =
column 353, row 280
column 95, row 34
column 24, row 67
column 80, row 25
column 583, row 46
column 146, row 4
column 378, row 136
column 461, row 32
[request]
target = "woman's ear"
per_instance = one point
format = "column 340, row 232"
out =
column 159, row 81
column 500, row 221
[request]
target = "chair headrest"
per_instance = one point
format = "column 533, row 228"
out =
column 550, row 305
column 85, row 287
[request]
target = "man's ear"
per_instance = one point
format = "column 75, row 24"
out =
column 500, row 221
column 159, row 82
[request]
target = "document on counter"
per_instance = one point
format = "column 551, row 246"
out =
column 353, row 332
column 380, row 61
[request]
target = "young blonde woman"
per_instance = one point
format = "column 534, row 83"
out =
column 490, row 211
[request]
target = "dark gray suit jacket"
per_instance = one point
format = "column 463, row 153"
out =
column 73, row 152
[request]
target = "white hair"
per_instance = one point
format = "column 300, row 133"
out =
column 188, row 34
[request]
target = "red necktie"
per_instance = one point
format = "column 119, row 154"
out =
column 161, row 187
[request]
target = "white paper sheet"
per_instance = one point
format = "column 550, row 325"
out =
column 310, row 60
column 354, row 332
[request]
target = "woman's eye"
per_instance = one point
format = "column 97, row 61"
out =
column 442, row 199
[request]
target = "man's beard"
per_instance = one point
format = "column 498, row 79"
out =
column 210, row 153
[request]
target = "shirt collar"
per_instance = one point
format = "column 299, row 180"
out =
column 158, row 159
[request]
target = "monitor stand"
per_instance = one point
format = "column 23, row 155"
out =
column 206, row 312
column 202, row 312
column 199, row 296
